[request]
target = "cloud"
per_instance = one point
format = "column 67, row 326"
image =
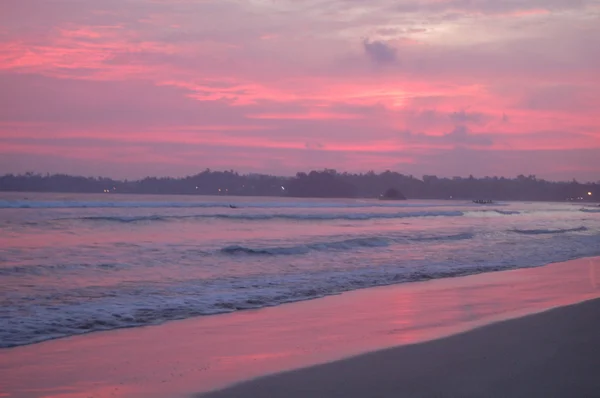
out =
column 314, row 145
column 565, row 98
column 379, row 52
column 459, row 136
column 161, row 78
column 469, row 117
column 489, row 7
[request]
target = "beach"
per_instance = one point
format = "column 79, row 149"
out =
column 523, row 357
column 552, row 354
column 299, row 198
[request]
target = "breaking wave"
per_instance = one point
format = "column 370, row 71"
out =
column 42, row 269
column 240, row 216
column 479, row 213
column 123, row 308
column 347, row 244
column 590, row 210
column 271, row 216
column 548, row 231
column 68, row 204
column 207, row 298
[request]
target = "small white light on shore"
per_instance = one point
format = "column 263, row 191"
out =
column 589, row 194
column 283, row 188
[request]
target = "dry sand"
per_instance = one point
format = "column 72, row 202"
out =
column 551, row 354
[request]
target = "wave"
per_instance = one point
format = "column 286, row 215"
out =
column 44, row 314
column 347, row 244
column 39, row 269
column 129, row 219
column 209, row 297
column 463, row 236
column 548, row 231
column 274, row 216
column 236, row 249
column 67, row 204
column 197, row 299
column 303, row 249
column 26, row 204
column 590, row 210
column 235, row 215
column 485, row 213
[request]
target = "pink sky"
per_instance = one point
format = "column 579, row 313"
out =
column 128, row 88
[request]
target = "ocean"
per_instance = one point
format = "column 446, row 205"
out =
column 78, row 263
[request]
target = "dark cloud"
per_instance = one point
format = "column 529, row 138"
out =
column 462, row 135
column 464, row 117
column 568, row 98
column 432, row 119
column 379, row 52
column 314, row 145
column 459, row 136
column 489, row 6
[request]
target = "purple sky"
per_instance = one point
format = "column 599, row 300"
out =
column 129, row 88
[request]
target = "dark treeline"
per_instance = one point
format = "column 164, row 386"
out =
column 326, row 183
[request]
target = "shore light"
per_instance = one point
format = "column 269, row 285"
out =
column 589, row 194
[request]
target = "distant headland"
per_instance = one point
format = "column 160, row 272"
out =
column 315, row 184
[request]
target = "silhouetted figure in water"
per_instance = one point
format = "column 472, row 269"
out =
column 233, row 207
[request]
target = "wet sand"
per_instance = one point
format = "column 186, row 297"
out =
column 551, row 354
column 184, row 358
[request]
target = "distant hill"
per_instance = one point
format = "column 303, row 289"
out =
column 318, row 184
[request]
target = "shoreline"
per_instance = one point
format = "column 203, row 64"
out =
column 45, row 340
column 185, row 357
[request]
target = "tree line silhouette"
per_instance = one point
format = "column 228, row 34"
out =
column 326, row 183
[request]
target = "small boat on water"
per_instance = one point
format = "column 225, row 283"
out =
column 483, row 201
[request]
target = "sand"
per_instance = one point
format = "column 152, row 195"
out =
column 184, row 358
column 551, row 354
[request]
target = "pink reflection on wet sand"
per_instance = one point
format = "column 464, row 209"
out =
column 184, row 357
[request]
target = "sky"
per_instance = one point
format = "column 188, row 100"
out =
column 129, row 88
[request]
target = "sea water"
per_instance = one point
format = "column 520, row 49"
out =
column 76, row 263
